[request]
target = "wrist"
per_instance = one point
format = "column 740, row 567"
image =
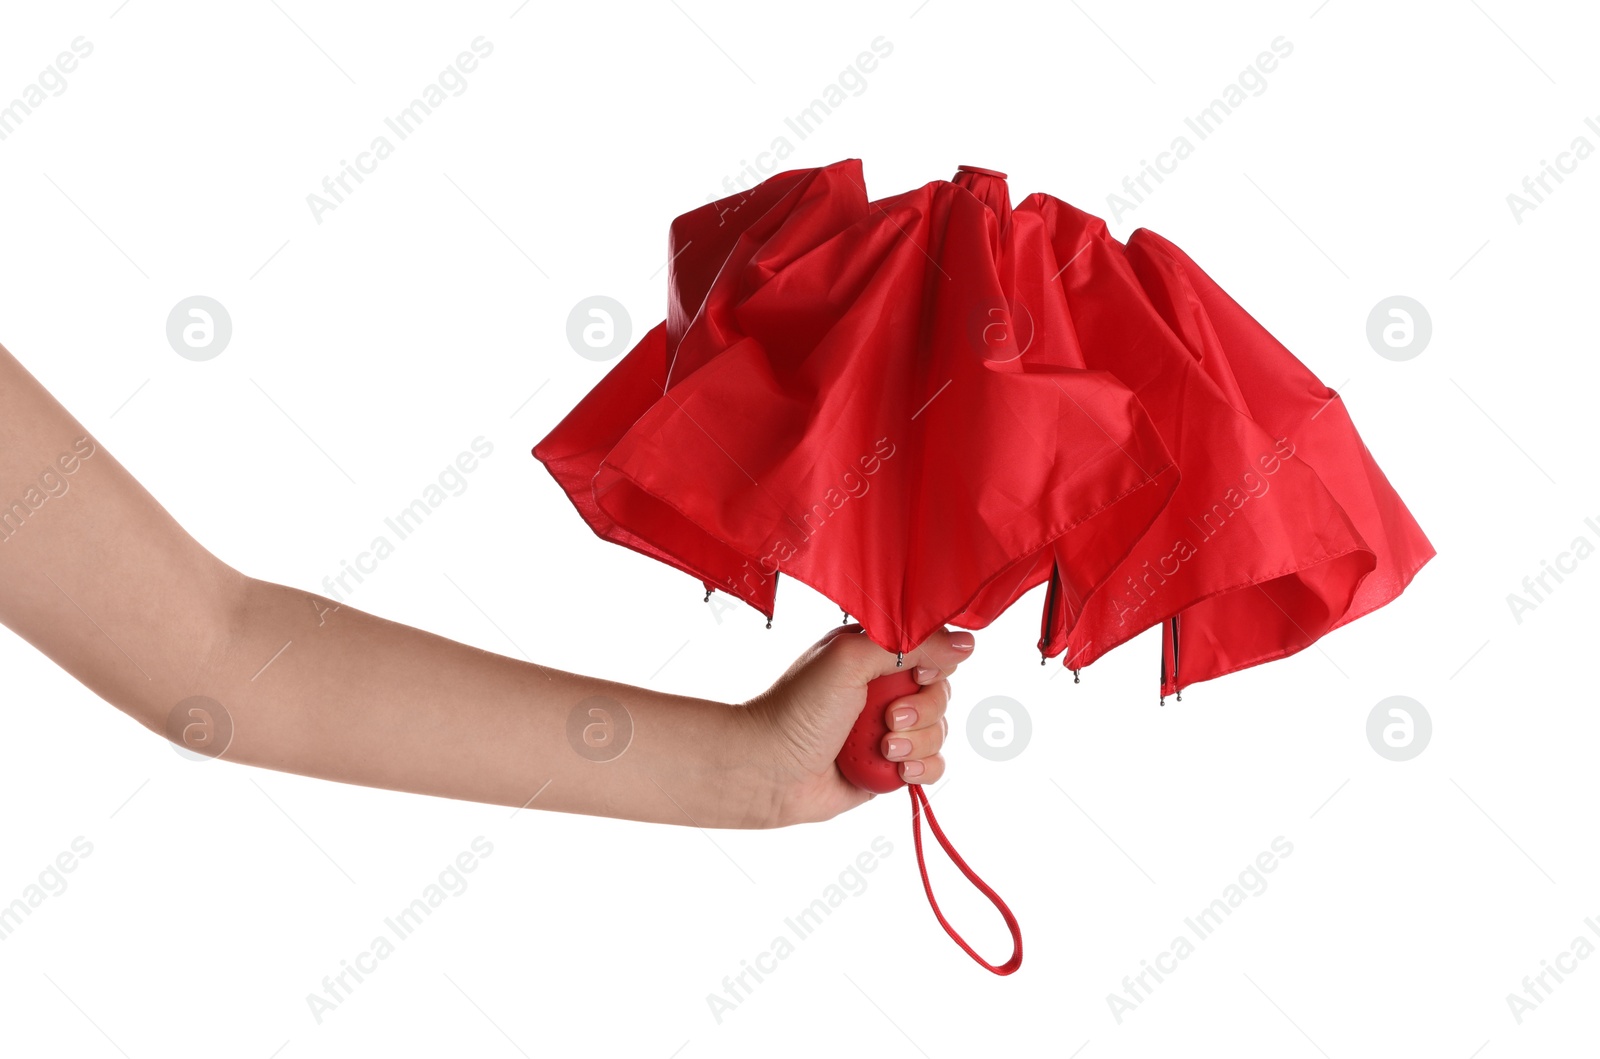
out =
column 749, row 786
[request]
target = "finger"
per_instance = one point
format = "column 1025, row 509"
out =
column 943, row 651
column 911, row 746
column 923, row 710
column 912, row 743
column 924, row 770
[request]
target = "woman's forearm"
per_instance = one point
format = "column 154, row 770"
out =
column 327, row 690
column 96, row 574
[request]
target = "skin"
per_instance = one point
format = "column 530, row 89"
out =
column 102, row 580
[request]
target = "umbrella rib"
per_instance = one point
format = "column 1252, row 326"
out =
column 1049, row 606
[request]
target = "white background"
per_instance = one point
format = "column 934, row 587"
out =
column 369, row 349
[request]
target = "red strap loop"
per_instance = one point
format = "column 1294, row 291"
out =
column 919, row 808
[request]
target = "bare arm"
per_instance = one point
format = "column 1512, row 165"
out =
column 99, row 577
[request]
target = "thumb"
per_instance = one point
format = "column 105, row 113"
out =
column 823, row 693
column 848, row 659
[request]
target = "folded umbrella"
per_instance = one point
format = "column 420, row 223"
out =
column 925, row 405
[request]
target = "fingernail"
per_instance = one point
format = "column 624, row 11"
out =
column 924, row 674
column 902, row 718
column 961, row 641
column 897, row 749
column 911, row 770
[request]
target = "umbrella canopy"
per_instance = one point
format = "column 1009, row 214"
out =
column 925, row 405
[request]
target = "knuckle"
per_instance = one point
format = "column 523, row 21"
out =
column 851, row 650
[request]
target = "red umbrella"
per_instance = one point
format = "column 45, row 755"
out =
column 923, row 406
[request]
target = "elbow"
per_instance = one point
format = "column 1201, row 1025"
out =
column 182, row 697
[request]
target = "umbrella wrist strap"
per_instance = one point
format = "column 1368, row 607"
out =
column 921, row 808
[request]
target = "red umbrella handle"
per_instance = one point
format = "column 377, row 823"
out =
column 862, row 762
column 861, row 759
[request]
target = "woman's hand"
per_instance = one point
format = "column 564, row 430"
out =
column 804, row 717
